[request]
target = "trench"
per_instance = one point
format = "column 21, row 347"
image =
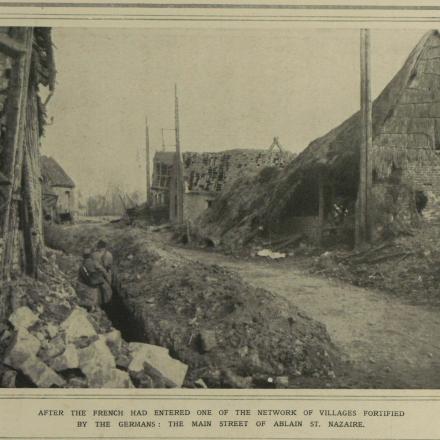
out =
column 123, row 319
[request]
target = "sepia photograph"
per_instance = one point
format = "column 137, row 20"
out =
column 239, row 208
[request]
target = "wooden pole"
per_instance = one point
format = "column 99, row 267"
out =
column 178, row 162
column 363, row 224
column 368, row 135
column 13, row 156
column 147, row 163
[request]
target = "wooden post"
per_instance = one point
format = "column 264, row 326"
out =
column 363, row 226
column 178, row 163
column 321, row 208
column 13, row 155
column 147, row 164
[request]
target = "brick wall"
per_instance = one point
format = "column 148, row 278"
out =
column 425, row 177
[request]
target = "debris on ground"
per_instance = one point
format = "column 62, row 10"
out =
column 50, row 340
column 407, row 266
column 270, row 254
column 228, row 333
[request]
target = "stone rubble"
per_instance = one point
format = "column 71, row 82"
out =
column 50, row 341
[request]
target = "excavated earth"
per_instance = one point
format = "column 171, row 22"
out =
column 228, row 333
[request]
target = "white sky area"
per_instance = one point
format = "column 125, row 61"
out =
column 237, row 89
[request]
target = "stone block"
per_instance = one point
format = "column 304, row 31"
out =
column 77, row 325
column 23, row 317
column 67, row 360
column 159, row 360
column 40, row 374
column 96, row 362
column 117, row 379
column 22, row 346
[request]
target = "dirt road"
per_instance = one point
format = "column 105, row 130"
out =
column 397, row 344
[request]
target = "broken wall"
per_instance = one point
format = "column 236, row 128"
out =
column 194, row 204
column 211, row 172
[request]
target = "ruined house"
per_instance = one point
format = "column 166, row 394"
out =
column 315, row 195
column 207, row 174
column 26, row 64
column 59, row 201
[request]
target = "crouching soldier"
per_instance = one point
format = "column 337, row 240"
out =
column 103, row 256
column 94, row 275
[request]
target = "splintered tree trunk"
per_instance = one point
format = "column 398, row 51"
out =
column 13, row 150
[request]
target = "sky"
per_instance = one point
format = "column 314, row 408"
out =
column 236, row 88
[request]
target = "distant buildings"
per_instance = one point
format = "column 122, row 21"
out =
column 59, row 202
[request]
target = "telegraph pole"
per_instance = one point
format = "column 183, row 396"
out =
column 178, row 163
column 147, row 163
column 363, row 208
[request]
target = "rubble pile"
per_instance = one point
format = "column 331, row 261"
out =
column 407, row 266
column 50, row 340
column 229, row 333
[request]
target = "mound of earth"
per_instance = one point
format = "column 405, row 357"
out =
column 229, row 333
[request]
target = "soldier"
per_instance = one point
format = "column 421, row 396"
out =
column 93, row 274
column 104, row 258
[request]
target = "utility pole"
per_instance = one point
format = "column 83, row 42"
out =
column 178, row 163
column 147, row 162
column 363, row 208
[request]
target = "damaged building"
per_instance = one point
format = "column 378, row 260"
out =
column 315, row 195
column 26, row 63
column 208, row 174
column 59, row 201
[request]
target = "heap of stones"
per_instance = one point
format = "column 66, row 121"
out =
column 51, row 341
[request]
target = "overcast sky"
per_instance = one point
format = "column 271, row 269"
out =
column 237, row 89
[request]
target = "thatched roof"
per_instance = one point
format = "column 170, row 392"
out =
column 260, row 201
column 53, row 173
column 340, row 146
